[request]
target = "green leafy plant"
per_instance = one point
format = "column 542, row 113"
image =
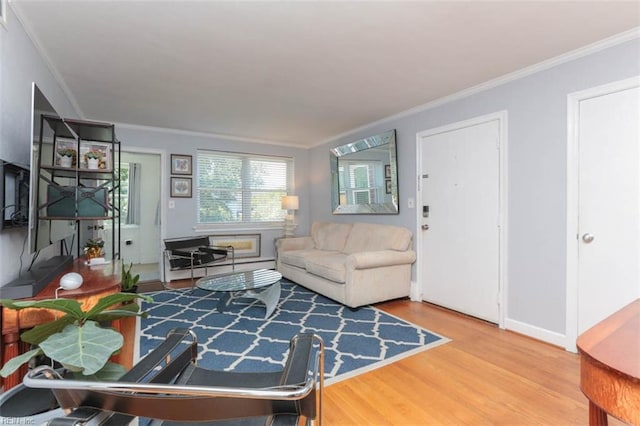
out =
column 97, row 243
column 67, row 152
column 129, row 281
column 96, row 155
column 76, row 340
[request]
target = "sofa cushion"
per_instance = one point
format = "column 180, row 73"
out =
column 330, row 236
column 299, row 257
column 373, row 237
column 331, row 266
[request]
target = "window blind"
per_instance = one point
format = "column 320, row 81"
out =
column 241, row 188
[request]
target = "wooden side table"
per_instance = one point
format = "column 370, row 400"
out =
column 610, row 366
column 98, row 281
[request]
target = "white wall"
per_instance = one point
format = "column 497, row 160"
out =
column 20, row 65
column 537, row 132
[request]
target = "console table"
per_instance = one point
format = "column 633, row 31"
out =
column 610, row 366
column 98, row 281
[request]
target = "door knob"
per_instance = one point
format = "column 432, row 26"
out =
column 587, row 238
column 425, row 227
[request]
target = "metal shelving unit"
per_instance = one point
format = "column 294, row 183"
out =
column 75, row 190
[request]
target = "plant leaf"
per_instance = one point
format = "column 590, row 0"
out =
column 40, row 332
column 130, row 310
column 68, row 306
column 85, row 348
column 14, row 363
column 113, row 299
column 109, row 373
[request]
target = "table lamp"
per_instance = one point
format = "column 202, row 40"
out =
column 290, row 203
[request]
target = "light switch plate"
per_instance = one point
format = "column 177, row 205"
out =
column 411, row 203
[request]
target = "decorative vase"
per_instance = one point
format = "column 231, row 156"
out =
column 65, row 161
column 92, row 252
column 93, row 163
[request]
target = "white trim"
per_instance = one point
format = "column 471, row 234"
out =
column 573, row 140
column 206, row 135
column 207, row 228
column 502, row 118
column 49, row 64
column 538, row 333
column 490, row 84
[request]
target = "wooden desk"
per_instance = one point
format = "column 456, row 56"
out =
column 610, row 366
column 98, row 281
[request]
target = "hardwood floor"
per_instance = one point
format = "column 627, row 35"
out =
column 484, row 376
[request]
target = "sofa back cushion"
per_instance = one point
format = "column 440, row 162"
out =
column 373, row 237
column 330, row 236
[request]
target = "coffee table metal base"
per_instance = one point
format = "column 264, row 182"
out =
column 270, row 297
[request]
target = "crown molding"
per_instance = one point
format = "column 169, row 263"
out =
column 47, row 61
column 167, row 130
column 507, row 78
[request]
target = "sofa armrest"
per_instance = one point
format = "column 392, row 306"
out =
column 294, row 243
column 376, row 259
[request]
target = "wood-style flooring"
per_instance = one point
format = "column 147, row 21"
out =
column 484, row 376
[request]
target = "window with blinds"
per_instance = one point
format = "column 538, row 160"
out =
column 241, row 188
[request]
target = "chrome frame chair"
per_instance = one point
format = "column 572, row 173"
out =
column 195, row 252
column 168, row 387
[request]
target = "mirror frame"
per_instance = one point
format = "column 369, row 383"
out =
column 387, row 139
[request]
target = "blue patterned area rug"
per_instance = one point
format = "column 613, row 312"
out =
column 241, row 339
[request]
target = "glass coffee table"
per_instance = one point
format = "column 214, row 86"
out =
column 261, row 284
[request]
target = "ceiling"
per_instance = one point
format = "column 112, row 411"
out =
column 296, row 72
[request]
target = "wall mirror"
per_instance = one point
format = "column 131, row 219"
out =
column 364, row 176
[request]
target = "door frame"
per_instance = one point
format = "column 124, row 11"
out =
column 163, row 197
column 572, row 243
column 502, row 219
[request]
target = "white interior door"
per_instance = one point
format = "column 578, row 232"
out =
column 460, row 196
column 608, row 217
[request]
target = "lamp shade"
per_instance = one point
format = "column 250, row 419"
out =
column 290, row 202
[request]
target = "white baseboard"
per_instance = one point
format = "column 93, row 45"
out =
column 538, row 333
column 415, row 293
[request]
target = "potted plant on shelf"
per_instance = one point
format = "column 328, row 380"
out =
column 67, row 157
column 129, row 282
column 93, row 248
column 59, row 341
column 93, row 159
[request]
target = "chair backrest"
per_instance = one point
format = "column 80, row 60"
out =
column 182, row 392
column 181, row 243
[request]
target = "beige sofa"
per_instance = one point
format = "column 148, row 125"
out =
column 354, row 264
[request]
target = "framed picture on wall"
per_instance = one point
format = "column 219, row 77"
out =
column 387, row 171
column 180, row 187
column 180, row 164
column 387, row 185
